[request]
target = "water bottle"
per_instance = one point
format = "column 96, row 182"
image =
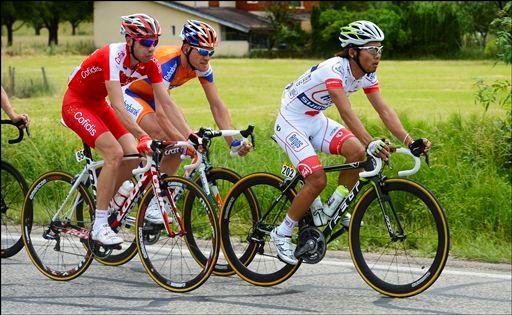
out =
column 317, row 211
column 120, row 196
column 337, row 197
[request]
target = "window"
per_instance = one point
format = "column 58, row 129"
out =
column 296, row 4
column 173, row 30
column 252, row 2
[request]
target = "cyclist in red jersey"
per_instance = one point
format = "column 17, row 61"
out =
column 109, row 129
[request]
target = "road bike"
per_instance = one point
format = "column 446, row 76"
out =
column 215, row 182
column 58, row 211
column 13, row 190
column 398, row 233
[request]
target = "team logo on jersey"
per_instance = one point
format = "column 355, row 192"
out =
column 120, row 55
column 131, row 109
column 85, row 122
column 296, row 141
column 309, row 103
column 91, row 70
column 322, row 97
column 169, row 74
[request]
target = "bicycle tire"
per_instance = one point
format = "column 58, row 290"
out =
column 40, row 205
column 216, row 174
column 163, row 273
column 14, row 188
column 423, row 251
column 244, row 256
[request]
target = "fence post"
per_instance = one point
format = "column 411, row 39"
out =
column 12, row 73
column 45, row 80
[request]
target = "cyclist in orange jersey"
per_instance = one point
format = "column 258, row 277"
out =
column 179, row 65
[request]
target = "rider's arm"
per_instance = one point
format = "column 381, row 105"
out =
column 115, row 96
column 219, row 110
column 6, row 106
column 168, row 115
column 340, row 99
column 389, row 117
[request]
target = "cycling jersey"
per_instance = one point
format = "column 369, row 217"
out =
column 309, row 93
column 173, row 72
column 139, row 99
column 84, row 108
column 110, row 63
column 301, row 128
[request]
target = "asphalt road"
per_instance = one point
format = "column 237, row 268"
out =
column 332, row 286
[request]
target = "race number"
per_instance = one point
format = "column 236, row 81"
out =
column 288, row 171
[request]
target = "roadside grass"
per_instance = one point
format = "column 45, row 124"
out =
column 433, row 99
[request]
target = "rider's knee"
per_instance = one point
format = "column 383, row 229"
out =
column 317, row 181
column 114, row 156
column 355, row 151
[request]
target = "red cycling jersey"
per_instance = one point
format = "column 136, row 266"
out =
column 110, row 63
column 84, row 108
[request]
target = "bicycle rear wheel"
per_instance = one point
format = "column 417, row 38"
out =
column 222, row 179
column 14, row 188
column 411, row 260
column 170, row 260
column 57, row 245
column 246, row 238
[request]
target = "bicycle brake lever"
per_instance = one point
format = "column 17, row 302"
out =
column 427, row 159
column 28, row 131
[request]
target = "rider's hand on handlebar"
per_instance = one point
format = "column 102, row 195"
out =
column 144, row 144
column 197, row 141
column 21, row 118
column 420, row 146
column 241, row 147
column 379, row 148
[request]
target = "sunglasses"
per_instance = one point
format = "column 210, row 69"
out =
column 147, row 42
column 204, row 52
column 373, row 50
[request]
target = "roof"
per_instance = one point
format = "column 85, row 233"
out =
column 234, row 18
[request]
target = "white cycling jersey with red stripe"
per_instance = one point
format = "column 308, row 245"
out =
column 309, row 93
column 110, row 63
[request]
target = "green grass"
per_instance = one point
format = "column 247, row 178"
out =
column 433, row 99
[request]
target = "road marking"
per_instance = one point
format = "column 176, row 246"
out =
column 445, row 271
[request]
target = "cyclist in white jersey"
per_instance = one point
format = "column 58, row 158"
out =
column 301, row 128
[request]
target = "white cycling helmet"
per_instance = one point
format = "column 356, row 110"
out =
column 359, row 33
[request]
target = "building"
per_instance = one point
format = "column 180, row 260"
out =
column 241, row 25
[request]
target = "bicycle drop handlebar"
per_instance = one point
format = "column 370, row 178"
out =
column 378, row 164
column 208, row 134
column 20, row 130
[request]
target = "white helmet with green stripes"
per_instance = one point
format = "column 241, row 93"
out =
column 359, row 33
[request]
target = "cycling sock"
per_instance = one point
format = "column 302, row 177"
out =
column 286, row 228
column 101, row 217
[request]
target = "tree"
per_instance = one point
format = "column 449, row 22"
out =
column 51, row 14
column 280, row 18
column 477, row 16
column 78, row 12
column 12, row 11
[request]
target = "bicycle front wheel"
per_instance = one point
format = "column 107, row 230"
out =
column 14, row 188
column 254, row 206
column 170, row 260
column 410, row 258
column 220, row 181
column 55, row 226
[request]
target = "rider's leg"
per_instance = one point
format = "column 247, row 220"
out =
column 353, row 151
column 129, row 146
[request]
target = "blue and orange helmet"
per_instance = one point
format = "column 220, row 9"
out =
column 199, row 34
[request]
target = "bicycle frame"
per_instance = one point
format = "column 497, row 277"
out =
column 372, row 174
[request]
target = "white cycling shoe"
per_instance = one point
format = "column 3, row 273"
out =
column 105, row 235
column 285, row 248
column 153, row 213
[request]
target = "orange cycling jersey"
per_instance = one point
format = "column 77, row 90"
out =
column 173, row 72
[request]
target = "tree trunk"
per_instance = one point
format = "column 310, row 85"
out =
column 9, row 33
column 73, row 28
column 53, row 32
column 38, row 30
